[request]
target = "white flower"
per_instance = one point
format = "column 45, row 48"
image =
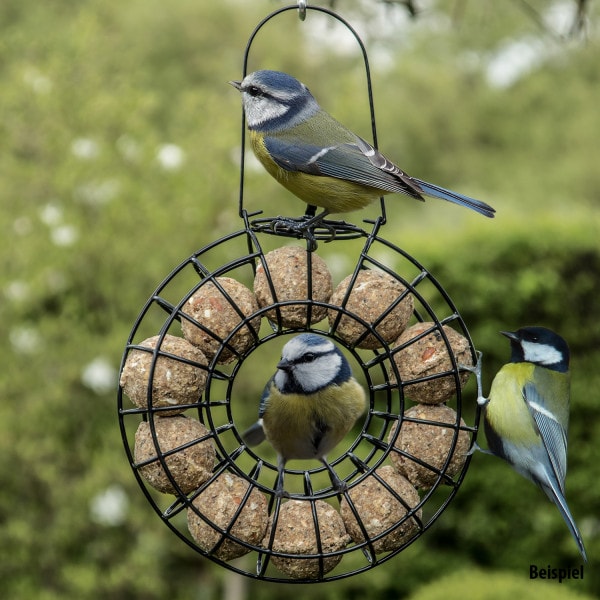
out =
column 97, row 193
column 170, row 157
column 110, row 507
column 99, row 376
column 51, row 214
column 85, row 148
column 25, row 339
column 64, row 235
column 38, row 82
column 17, row 290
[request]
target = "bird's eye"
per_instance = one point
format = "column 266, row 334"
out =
column 309, row 357
column 254, row 91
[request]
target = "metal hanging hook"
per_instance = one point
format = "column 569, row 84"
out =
column 302, row 9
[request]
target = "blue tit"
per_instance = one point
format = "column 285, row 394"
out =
column 309, row 405
column 527, row 414
column 316, row 158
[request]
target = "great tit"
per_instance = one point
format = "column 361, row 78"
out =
column 318, row 159
column 308, row 406
column 527, row 414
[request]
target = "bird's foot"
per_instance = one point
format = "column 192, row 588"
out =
column 281, row 493
column 474, row 448
column 310, row 226
column 339, row 485
column 477, row 448
column 279, row 489
column 304, row 227
column 477, row 368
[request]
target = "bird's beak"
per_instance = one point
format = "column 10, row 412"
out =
column 511, row 335
column 284, row 365
column 236, row 84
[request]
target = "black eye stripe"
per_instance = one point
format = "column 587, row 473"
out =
column 309, row 357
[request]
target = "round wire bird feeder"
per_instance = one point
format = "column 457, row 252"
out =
column 202, row 349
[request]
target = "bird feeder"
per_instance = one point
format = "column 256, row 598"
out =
column 192, row 359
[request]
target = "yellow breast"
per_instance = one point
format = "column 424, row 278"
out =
column 292, row 422
column 507, row 410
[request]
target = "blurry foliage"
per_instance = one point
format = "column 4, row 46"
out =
column 497, row 586
column 120, row 143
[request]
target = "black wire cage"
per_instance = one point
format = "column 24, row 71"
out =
column 188, row 380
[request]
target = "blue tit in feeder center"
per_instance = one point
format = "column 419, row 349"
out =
column 316, row 158
column 527, row 414
column 308, row 406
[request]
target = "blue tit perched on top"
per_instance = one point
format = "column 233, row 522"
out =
column 309, row 404
column 316, row 158
column 527, row 414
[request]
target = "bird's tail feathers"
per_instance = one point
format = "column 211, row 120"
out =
column 255, row 434
column 439, row 192
column 553, row 492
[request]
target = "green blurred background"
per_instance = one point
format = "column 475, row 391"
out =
column 120, row 157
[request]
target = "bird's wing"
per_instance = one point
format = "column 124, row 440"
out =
column 358, row 162
column 255, row 434
column 264, row 399
column 553, row 434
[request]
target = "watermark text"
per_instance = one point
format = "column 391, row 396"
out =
column 550, row 572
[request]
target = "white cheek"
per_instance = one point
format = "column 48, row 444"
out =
column 258, row 110
column 318, row 374
column 311, row 379
column 281, row 379
column 541, row 353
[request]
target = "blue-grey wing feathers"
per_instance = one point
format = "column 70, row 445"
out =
column 264, row 399
column 255, row 434
column 293, row 155
column 551, row 477
column 359, row 162
column 553, row 434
